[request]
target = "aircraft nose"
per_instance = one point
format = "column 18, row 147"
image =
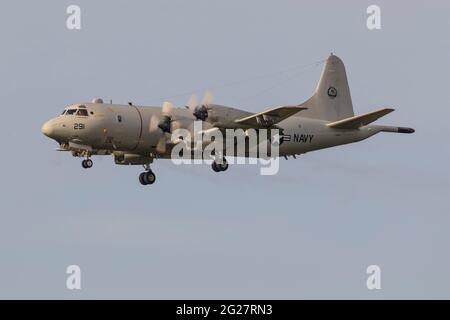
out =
column 47, row 129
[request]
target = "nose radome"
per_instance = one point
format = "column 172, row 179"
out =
column 47, row 129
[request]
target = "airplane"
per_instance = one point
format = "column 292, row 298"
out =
column 137, row 135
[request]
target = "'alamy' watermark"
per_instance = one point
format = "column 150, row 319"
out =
column 73, row 281
column 374, row 279
column 374, row 19
column 73, row 21
column 250, row 146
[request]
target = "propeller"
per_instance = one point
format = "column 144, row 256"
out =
column 192, row 103
column 160, row 127
column 207, row 98
column 165, row 122
column 200, row 111
column 167, row 108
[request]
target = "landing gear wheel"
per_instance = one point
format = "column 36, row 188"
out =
column 147, row 177
column 217, row 167
column 141, row 178
column 224, row 165
column 87, row 163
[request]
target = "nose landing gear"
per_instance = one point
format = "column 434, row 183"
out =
column 87, row 163
column 147, row 177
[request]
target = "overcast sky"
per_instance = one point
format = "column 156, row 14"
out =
column 308, row 232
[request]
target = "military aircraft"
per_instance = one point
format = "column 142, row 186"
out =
column 136, row 135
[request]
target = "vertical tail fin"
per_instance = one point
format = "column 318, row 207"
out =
column 331, row 100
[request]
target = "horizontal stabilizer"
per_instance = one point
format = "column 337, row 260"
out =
column 269, row 117
column 359, row 121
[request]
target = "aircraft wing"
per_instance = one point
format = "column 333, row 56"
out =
column 269, row 117
column 359, row 121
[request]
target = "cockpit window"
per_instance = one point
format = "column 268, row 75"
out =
column 82, row 112
column 71, row 111
column 64, row 111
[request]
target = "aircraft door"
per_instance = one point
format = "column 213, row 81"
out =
column 124, row 128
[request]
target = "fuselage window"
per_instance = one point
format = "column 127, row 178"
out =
column 71, row 111
column 82, row 112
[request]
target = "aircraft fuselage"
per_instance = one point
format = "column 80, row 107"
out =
column 125, row 128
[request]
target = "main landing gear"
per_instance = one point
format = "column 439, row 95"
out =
column 87, row 163
column 147, row 177
column 217, row 167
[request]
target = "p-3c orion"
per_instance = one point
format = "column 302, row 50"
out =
column 136, row 135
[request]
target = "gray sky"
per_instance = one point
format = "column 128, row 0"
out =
column 308, row 232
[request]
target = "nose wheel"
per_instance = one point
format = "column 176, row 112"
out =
column 87, row 163
column 147, row 177
column 218, row 167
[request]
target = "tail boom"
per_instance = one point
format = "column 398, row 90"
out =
column 396, row 129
